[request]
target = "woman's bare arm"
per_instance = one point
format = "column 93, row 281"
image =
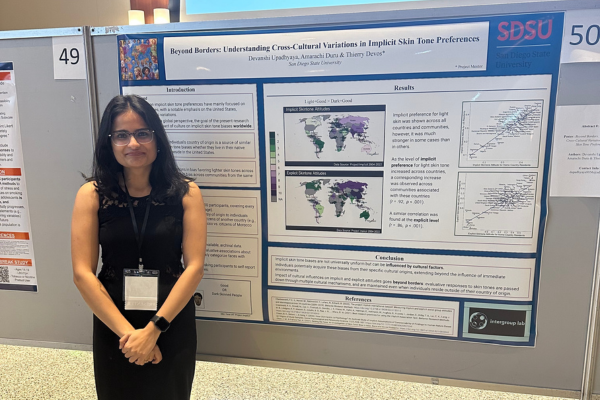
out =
column 194, row 247
column 84, row 256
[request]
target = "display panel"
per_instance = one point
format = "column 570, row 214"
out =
column 394, row 175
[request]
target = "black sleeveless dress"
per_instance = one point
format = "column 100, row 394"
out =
column 116, row 378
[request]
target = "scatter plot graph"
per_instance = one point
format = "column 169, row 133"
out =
column 501, row 133
column 496, row 204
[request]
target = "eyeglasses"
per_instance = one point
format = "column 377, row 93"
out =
column 122, row 138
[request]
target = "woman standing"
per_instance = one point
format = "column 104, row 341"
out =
column 144, row 214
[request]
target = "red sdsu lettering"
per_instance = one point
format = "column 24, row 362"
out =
column 527, row 31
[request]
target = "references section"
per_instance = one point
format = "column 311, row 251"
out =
column 424, row 317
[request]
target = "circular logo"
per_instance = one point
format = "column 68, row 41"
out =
column 478, row 320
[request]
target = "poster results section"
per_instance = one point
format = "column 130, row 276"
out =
column 231, row 287
column 17, row 262
column 450, row 163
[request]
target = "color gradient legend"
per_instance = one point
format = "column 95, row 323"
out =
column 273, row 164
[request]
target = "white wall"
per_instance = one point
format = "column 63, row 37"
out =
column 379, row 7
column 38, row 14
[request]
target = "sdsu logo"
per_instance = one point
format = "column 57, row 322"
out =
column 478, row 320
column 516, row 30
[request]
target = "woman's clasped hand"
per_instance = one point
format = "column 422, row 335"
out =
column 139, row 346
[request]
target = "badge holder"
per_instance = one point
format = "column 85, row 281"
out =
column 140, row 289
column 140, row 286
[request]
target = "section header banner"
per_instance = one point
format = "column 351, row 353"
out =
column 431, row 48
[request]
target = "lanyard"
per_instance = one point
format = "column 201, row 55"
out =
column 139, row 236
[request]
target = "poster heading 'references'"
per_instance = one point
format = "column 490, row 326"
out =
column 430, row 48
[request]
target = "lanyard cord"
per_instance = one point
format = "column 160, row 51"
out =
column 139, row 236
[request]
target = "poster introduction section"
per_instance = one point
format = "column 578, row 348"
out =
column 385, row 178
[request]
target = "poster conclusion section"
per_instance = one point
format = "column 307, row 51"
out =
column 387, row 178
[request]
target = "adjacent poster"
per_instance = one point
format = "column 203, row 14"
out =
column 384, row 177
column 17, row 263
column 576, row 155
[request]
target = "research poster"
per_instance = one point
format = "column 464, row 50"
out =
column 576, row 157
column 17, row 263
column 386, row 178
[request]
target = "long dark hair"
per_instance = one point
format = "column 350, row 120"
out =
column 166, row 179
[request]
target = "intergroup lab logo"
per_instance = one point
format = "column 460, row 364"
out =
column 501, row 321
column 478, row 320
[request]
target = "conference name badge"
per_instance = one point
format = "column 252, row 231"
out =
column 140, row 289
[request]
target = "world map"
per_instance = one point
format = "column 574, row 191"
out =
column 339, row 128
column 339, row 193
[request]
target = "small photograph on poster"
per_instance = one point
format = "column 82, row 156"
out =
column 139, row 59
column 199, row 299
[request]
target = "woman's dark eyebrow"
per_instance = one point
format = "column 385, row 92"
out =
column 137, row 130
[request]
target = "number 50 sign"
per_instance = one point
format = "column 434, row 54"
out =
column 581, row 38
column 69, row 59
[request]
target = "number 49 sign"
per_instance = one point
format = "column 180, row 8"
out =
column 69, row 57
column 581, row 38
